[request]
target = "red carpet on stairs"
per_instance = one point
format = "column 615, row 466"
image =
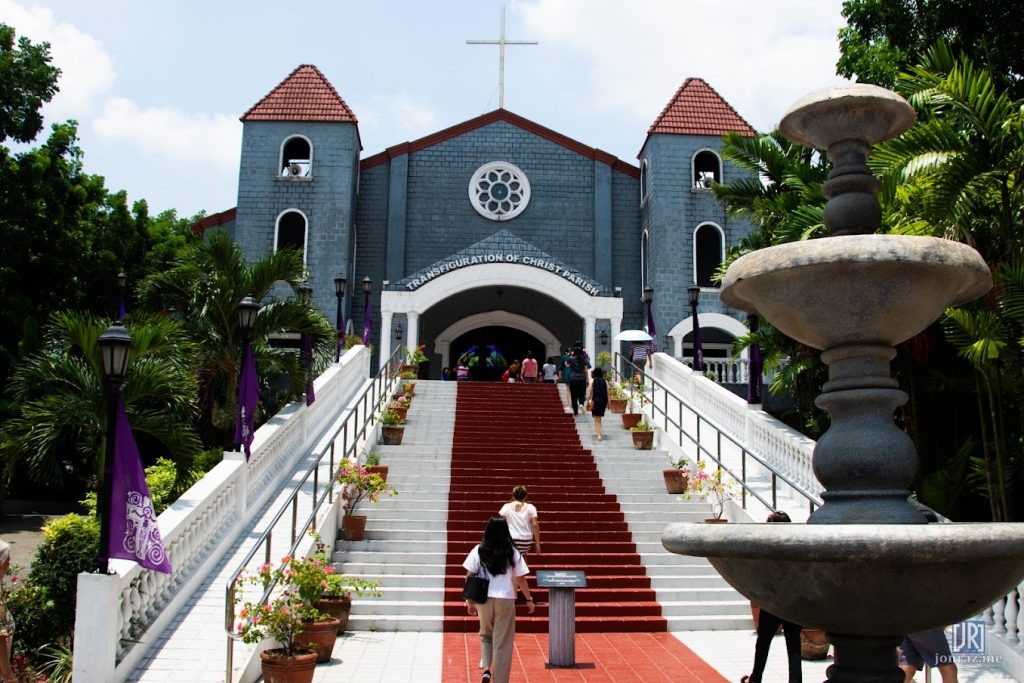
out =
column 509, row 434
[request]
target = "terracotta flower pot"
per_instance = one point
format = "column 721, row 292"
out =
column 617, row 405
column 391, row 436
column 630, row 420
column 643, row 441
column 401, row 412
column 382, row 470
column 408, row 368
column 716, row 520
column 353, row 527
column 675, row 480
column 321, row 636
column 337, row 607
column 280, row 668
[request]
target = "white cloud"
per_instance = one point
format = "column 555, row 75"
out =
column 637, row 59
column 400, row 115
column 170, row 133
column 87, row 69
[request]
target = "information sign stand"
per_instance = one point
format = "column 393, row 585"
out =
column 561, row 585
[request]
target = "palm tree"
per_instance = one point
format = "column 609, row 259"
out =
column 957, row 174
column 204, row 290
column 781, row 195
column 57, row 437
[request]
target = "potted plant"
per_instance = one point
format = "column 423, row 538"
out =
column 414, row 358
column 678, row 475
column 373, row 465
column 643, row 436
column 715, row 488
column 409, row 383
column 392, row 428
column 291, row 618
column 335, row 598
column 630, row 418
column 617, row 398
column 604, row 360
column 281, row 620
column 401, row 405
column 359, row 484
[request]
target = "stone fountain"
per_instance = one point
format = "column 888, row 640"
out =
column 866, row 567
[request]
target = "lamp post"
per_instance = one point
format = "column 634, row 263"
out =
column 754, row 368
column 698, row 352
column 116, row 350
column 339, row 292
column 648, row 297
column 306, row 295
column 368, row 316
column 122, row 280
column 245, row 421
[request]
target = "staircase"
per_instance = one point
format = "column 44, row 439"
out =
column 601, row 510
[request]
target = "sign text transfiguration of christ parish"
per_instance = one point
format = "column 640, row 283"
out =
column 499, row 257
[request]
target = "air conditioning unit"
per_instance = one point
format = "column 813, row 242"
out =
column 298, row 168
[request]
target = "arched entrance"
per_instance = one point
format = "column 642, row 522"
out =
column 551, row 309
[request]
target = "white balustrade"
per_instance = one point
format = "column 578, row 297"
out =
column 199, row 527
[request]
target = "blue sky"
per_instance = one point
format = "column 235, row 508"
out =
column 158, row 86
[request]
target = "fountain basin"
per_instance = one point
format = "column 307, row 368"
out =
column 856, row 111
column 855, row 289
column 862, row 579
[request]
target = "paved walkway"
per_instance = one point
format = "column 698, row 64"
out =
column 695, row 656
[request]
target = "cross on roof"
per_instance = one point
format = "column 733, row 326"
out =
column 501, row 43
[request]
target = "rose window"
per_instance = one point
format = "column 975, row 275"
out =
column 499, row 191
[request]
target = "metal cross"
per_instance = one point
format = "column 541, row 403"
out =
column 501, row 43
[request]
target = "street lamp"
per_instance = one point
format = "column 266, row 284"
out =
column 754, row 367
column 368, row 316
column 306, row 353
column 122, row 280
column 116, row 350
column 698, row 352
column 339, row 292
column 248, row 390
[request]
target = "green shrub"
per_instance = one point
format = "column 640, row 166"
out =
column 70, row 546
column 32, row 613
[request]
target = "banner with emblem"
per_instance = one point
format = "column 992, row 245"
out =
column 134, row 533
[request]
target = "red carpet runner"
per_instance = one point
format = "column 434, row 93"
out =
column 509, row 434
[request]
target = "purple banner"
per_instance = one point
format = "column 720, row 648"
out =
column 367, row 322
column 134, row 534
column 652, row 346
column 248, row 394
column 307, row 363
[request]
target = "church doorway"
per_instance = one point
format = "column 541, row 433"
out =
column 490, row 350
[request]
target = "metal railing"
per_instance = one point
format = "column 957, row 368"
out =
column 362, row 415
column 626, row 374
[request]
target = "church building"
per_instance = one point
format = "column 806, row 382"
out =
column 497, row 231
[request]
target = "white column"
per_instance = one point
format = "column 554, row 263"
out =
column 413, row 321
column 97, row 635
column 385, row 336
column 616, row 328
column 588, row 337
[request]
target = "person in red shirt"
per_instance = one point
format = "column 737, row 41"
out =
column 529, row 369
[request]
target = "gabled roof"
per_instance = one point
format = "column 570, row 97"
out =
column 486, row 120
column 305, row 95
column 697, row 109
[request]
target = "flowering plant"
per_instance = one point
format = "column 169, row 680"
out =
column 359, row 484
column 301, row 583
column 680, row 463
column 390, row 418
column 417, row 355
column 642, row 426
column 713, row 488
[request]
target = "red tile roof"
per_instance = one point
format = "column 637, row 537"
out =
column 697, row 109
column 213, row 220
column 305, row 95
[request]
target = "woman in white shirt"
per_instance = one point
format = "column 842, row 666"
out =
column 522, row 521
column 497, row 560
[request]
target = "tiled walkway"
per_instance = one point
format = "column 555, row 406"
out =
column 704, row 656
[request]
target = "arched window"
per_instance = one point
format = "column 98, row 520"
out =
column 708, row 253
column 645, row 261
column 296, row 157
column 707, row 168
column 291, row 232
column 645, row 180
